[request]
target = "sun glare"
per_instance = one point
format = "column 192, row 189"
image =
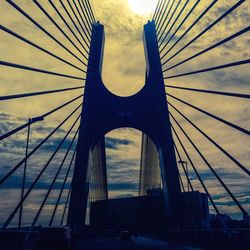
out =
column 143, row 7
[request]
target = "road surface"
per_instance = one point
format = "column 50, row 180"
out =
column 136, row 243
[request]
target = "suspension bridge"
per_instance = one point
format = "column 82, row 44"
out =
column 176, row 200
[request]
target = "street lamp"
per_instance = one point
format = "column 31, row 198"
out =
column 30, row 122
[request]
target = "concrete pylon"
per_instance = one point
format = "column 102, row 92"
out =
column 103, row 111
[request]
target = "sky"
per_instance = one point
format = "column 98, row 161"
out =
column 123, row 74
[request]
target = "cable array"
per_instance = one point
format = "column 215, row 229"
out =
column 72, row 21
column 179, row 26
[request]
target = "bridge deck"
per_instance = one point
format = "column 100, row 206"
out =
column 136, row 243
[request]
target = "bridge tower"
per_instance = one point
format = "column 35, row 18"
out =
column 103, row 111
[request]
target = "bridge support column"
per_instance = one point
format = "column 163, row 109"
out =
column 103, row 111
column 162, row 130
column 80, row 183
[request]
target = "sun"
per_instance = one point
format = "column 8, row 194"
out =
column 143, row 7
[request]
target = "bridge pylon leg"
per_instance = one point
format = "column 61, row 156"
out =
column 162, row 131
column 80, row 186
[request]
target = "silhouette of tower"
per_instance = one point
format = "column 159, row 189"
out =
column 103, row 111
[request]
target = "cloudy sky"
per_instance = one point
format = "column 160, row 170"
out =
column 123, row 74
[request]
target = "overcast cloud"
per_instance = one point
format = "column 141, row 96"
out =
column 123, row 74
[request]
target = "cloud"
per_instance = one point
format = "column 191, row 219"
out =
column 114, row 143
column 123, row 74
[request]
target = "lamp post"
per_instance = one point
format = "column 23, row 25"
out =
column 30, row 121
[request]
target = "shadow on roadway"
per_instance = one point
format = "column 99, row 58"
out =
column 135, row 243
